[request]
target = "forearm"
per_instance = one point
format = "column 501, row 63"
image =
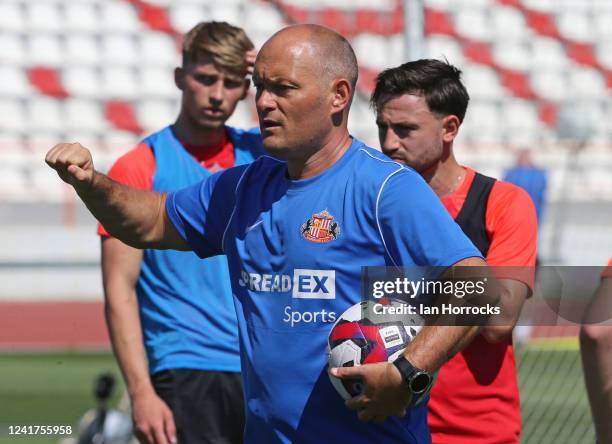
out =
column 129, row 214
column 435, row 344
column 596, row 349
column 123, row 323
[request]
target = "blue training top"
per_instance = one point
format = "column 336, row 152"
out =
column 186, row 307
column 295, row 250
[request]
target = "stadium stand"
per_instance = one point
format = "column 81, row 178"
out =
column 102, row 71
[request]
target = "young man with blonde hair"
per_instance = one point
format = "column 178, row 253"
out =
column 169, row 314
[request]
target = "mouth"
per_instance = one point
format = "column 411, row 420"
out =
column 268, row 125
column 213, row 112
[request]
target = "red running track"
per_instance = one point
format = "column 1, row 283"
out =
column 52, row 325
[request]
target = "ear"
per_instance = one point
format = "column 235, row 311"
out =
column 341, row 95
column 245, row 91
column 450, row 128
column 179, row 78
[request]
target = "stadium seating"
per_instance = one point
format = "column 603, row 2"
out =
column 103, row 69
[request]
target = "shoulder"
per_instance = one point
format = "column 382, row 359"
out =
column 378, row 173
column 261, row 167
column 247, row 139
column 506, row 195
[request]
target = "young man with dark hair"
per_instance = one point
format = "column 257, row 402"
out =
column 419, row 108
column 170, row 315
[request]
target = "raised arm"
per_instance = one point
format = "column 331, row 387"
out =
column 136, row 217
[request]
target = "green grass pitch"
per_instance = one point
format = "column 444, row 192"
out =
column 53, row 388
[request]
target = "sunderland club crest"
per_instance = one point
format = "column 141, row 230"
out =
column 320, row 228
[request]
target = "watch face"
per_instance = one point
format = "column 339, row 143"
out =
column 420, row 382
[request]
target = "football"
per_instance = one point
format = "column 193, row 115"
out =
column 365, row 334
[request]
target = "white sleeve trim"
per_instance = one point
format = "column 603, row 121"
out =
column 377, row 219
column 229, row 221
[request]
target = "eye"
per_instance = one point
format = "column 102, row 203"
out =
column 206, row 79
column 232, row 84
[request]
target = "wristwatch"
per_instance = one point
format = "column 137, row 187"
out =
column 418, row 381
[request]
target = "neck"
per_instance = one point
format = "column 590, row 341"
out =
column 191, row 134
column 318, row 160
column 445, row 176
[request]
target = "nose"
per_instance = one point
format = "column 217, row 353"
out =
column 217, row 93
column 389, row 142
column 264, row 101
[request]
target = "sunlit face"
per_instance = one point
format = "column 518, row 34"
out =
column 210, row 93
column 292, row 104
column 410, row 133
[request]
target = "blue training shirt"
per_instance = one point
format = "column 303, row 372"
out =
column 295, row 249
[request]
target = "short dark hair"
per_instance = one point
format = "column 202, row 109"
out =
column 439, row 82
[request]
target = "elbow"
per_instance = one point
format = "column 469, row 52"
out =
column 498, row 333
column 594, row 336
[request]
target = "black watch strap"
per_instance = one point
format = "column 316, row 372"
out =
column 417, row 380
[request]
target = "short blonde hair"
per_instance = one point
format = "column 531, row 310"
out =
column 224, row 43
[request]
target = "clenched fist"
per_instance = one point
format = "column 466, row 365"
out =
column 73, row 164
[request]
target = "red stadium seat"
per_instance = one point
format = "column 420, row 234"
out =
column 439, row 22
column 122, row 116
column 47, row 81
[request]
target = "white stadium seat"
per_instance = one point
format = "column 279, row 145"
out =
column 372, row 50
column 13, row 116
column 602, row 26
column 81, row 17
column 508, row 23
column 11, row 17
column 262, row 18
column 483, row 116
column 119, row 82
column 548, row 54
column 185, row 16
column 119, row 49
column 440, row 5
column 12, row 183
column 549, row 6
column 154, row 114
column 440, row 47
column 482, row 82
column 45, row 49
column 157, row 82
column 83, row 115
column 82, row 49
column 81, row 81
column 118, row 16
column 43, row 17
column 12, row 49
column 44, row 184
column 575, row 25
column 158, row 49
column 519, row 115
column 225, row 13
column 604, row 54
column 119, row 142
column 513, row 55
column 550, row 85
column 473, row 24
column 45, row 114
column 13, row 82
column 586, row 83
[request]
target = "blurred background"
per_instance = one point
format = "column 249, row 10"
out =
column 100, row 72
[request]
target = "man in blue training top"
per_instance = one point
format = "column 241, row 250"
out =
column 296, row 232
column 531, row 178
column 170, row 315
